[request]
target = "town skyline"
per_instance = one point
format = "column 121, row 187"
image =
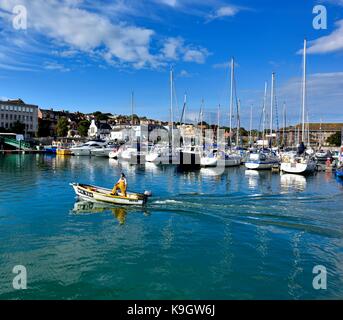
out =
column 76, row 70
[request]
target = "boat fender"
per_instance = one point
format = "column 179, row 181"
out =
column 148, row 193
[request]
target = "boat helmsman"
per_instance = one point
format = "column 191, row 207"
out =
column 121, row 185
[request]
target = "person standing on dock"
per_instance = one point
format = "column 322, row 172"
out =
column 121, row 185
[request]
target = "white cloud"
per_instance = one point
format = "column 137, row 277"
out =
column 226, row 11
column 324, row 96
column 55, row 66
column 171, row 3
column 184, row 74
column 69, row 25
column 327, row 44
column 175, row 48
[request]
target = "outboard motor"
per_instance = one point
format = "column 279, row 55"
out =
column 148, row 193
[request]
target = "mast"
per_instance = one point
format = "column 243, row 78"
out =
column 264, row 112
column 231, row 98
column 218, row 117
column 250, row 133
column 284, row 124
column 171, row 106
column 132, row 106
column 201, row 121
column 238, row 122
column 304, row 92
column 272, row 106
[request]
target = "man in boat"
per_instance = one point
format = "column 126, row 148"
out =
column 121, row 185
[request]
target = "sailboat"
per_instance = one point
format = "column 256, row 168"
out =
column 229, row 158
column 167, row 153
column 264, row 159
column 300, row 163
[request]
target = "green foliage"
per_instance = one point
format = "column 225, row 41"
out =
column 62, row 127
column 83, row 127
column 43, row 128
column 99, row 116
column 335, row 139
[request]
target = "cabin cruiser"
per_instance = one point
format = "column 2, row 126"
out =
column 262, row 160
column 105, row 150
column 85, row 149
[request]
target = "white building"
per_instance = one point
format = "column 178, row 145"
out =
column 99, row 130
column 13, row 111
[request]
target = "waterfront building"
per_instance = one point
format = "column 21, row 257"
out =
column 17, row 111
column 316, row 133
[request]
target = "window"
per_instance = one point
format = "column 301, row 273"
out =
column 6, row 116
column 31, row 110
column 6, row 108
column 11, row 108
column 19, row 108
column 2, row 116
column 2, row 107
column 10, row 116
column 15, row 117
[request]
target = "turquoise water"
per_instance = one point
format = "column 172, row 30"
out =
column 240, row 235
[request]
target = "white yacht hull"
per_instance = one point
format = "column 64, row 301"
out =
column 80, row 152
column 260, row 165
column 298, row 168
column 208, row 162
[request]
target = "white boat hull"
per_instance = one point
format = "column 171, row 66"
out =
column 97, row 194
column 260, row 165
column 298, row 168
column 80, row 152
column 208, row 162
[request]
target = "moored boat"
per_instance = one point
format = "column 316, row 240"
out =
column 99, row 194
column 261, row 161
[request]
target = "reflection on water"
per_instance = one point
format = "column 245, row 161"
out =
column 293, row 182
column 85, row 207
column 238, row 234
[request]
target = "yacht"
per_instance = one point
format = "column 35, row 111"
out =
column 105, row 150
column 300, row 163
column 261, row 161
column 85, row 149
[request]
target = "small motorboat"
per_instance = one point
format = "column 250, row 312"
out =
column 99, row 194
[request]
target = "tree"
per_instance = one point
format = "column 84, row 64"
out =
column 18, row 127
column 43, row 128
column 83, row 127
column 99, row 116
column 62, row 127
column 335, row 139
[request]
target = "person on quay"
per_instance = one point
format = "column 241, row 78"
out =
column 121, row 185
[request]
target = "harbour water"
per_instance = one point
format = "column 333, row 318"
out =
column 239, row 235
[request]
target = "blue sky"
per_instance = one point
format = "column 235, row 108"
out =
column 78, row 55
